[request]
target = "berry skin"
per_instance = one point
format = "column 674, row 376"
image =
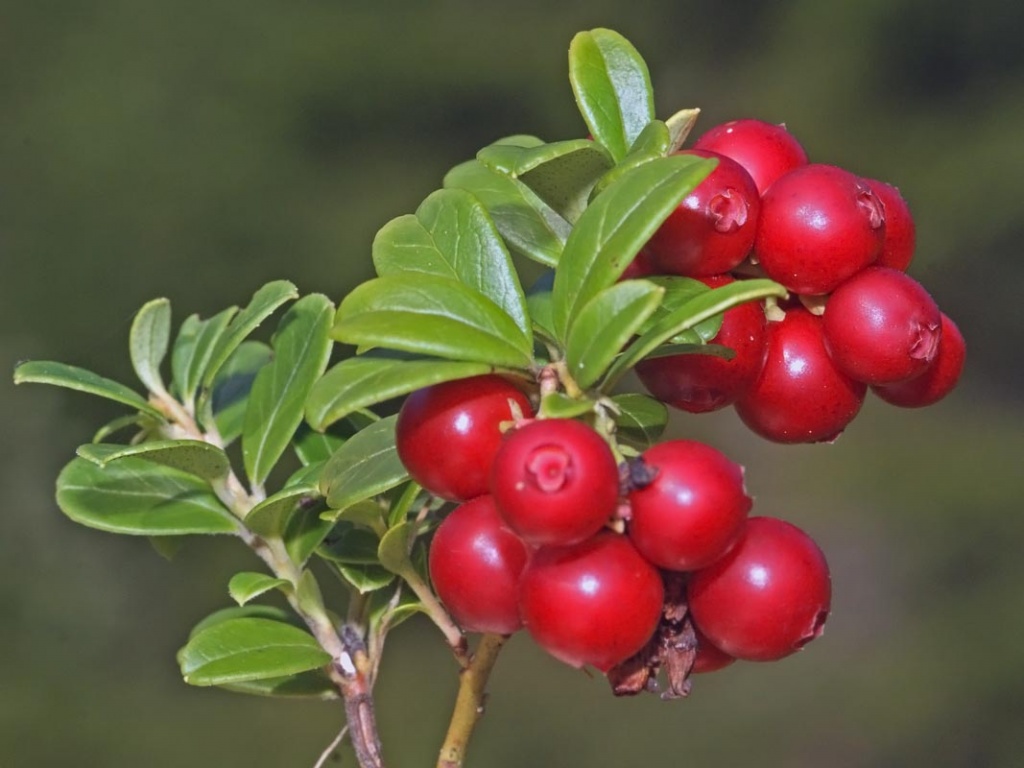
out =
column 555, row 481
column 448, row 434
column 938, row 380
column 475, row 564
column 693, row 510
column 800, row 395
column 768, row 597
column 900, row 232
column 765, row 150
column 597, row 602
column 712, row 230
column 881, row 326
column 709, row 658
column 702, row 383
column 819, row 226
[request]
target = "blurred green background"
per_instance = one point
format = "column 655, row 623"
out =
column 199, row 149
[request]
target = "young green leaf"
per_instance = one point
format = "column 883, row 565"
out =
column 605, row 325
column 361, row 382
column 229, row 395
column 148, row 341
column 192, row 456
column 612, row 87
column 451, row 235
column 302, row 347
column 248, row 585
column 81, row 380
column 139, row 497
column 193, row 350
column 433, row 316
column 529, row 226
column 271, row 516
column 240, row 650
column 365, row 466
column 640, row 419
column 615, row 226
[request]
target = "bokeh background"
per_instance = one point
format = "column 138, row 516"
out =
column 199, row 149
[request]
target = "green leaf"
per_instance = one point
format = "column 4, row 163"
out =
column 365, row 466
column 139, row 497
column 678, row 291
column 640, row 419
column 653, row 142
column 239, row 650
column 148, row 341
column 81, row 380
column 367, row 513
column 679, row 127
column 167, row 547
column 114, row 426
column 529, row 226
column 691, row 313
column 670, row 349
column 192, row 456
column 312, row 447
column 271, row 516
column 433, row 316
column 395, row 547
column 364, row 578
column 538, row 301
column 557, row 405
column 615, row 226
column 350, row 544
column 305, row 532
column 612, row 87
column 253, row 611
column 361, row 382
column 605, row 325
column 389, row 608
column 248, row 585
column 193, row 350
column 229, row 395
column 451, row 235
column 302, row 347
column 313, row 684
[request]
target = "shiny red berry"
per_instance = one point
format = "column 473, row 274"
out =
column 768, row 597
column 597, row 602
column 900, row 232
column 700, row 383
column 881, row 326
column 800, row 395
column 765, row 150
column 709, row 658
column 938, row 380
column 475, row 564
column 448, row 434
column 692, row 511
column 712, row 230
column 555, row 481
column 819, row 226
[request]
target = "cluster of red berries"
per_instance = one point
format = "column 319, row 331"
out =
column 841, row 245
column 590, row 555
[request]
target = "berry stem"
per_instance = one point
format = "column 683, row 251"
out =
column 469, row 704
column 437, row 613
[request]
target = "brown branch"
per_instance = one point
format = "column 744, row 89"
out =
column 469, row 704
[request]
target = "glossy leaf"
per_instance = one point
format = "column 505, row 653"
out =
column 678, row 291
column 605, row 325
column 679, row 127
column 615, row 226
column 81, row 380
column 302, row 347
column 229, row 395
column 612, row 87
column 270, row 517
column 395, row 546
column 239, row 650
column 251, row 611
column 641, row 419
column 139, row 497
column 192, row 456
column 148, row 341
column 653, row 142
column 248, row 585
column 193, row 350
column 451, row 235
column 312, row 447
column 305, row 531
column 361, row 382
column 433, row 316
column 364, row 578
column 312, row 684
column 365, row 466
column 529, row 226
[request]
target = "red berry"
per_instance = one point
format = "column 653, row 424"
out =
column 475, row 564
column 765, row 150
column 881, row 326
column 712, row 230
column 639, row 267
column 701, row 383
column 597, row 602
column 768, row 597
column 900, row 232
column 800, row 395
column 447, row 434
column 819, row 226
column 938, row 380
column 555, row 481
column 709, row 658
column 693, row 510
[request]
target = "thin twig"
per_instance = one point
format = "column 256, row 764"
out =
column 331, row 748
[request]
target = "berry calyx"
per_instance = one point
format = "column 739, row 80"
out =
column 765, row 151
column 939, row 378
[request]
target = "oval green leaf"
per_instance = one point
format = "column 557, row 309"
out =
column 229, row 395
column 271, row 516
column 314, row 684
column 652, row 143
column 148, row 341
column 248, row 585
column 395, row 546
column 640, row 419
column 82, row 380
column 364, row 578
column 192, row 456
column 365, row 466
column 193, row 350
column 678, row 291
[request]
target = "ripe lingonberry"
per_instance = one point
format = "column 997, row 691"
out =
column 800, row 395
column 768, row 597
column 447, row 434
column 938, row 379
column 881, row 326
column 765, row 150
column 475, row 564
column 597, row 602
column 900, row 232
column 712, row 230
column 819, row 226
column 692, row 511
column 709, row 658
column 555, row 481
column 701, row 383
